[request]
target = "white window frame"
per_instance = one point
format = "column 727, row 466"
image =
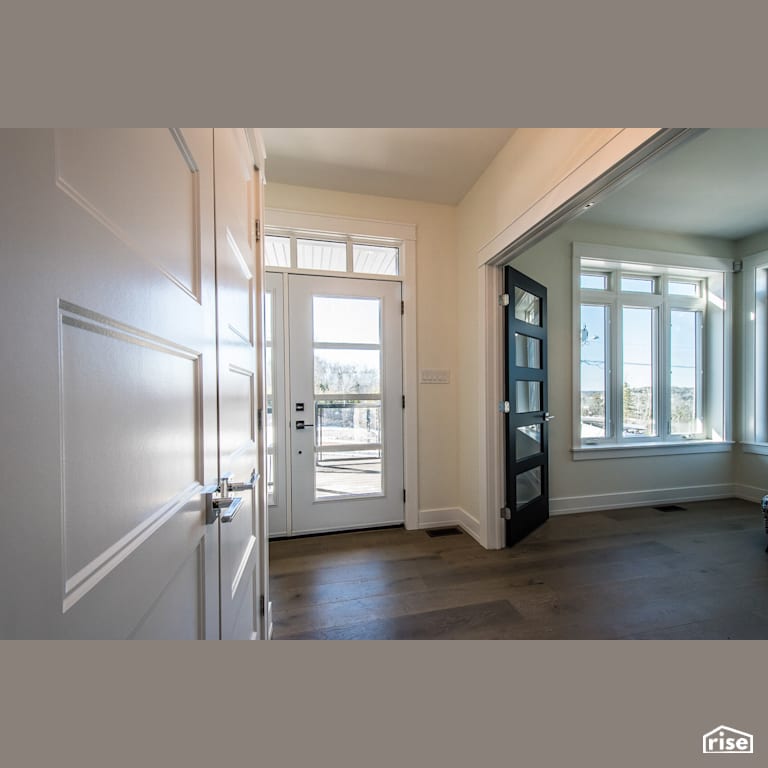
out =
column 295, row 234
column 755, row 335
column 714, row 339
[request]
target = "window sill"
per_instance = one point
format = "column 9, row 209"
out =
column 605, row 451
column 761, row 448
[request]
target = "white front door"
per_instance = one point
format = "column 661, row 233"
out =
column 345, row 409
column 108, row 384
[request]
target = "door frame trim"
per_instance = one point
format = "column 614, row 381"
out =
column 625, row 163
column 326, row 224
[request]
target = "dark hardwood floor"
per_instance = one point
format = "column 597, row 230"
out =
column 700, row 572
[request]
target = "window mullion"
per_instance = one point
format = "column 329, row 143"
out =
column 616, row 372
column 665, row 371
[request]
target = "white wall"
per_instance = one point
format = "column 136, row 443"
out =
column 437, row 322
column 580, row 485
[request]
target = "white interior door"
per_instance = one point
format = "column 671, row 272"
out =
column 108, row 382
column 345, row 408
column 242, row 525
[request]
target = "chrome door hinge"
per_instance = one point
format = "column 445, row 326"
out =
column 256, row 230
column 505, row 513
column 504, row 406
column 504, row 300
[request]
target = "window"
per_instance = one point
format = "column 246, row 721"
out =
column 755, row 364
column 650, row 368
column 342, row 254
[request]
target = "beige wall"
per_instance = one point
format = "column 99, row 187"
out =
column 437, row 321
column 549, row 262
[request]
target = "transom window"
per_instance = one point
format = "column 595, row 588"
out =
column 337, row 254
column 650, row 362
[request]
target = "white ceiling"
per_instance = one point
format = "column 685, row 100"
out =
column 715, row 184
column 436, row 165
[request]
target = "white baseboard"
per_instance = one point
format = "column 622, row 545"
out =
column 436, row 518
column 749, row 492
column 567, row 505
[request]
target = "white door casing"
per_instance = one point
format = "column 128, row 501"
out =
column 345, row 478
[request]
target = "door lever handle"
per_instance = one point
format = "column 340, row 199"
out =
column 227, row 508
column 240, row 487
column 302, row 424
column 548, row 417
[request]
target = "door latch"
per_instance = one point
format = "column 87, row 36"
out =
column 505, row 513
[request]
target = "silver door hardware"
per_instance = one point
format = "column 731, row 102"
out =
column 504, row 300
column 228, row 508
column 240, row 487
column 299, row 406
column 224, row 503
column 548, row 417
column 302, row 424
column 211, row 512
column 506, row 513
column 504, row 406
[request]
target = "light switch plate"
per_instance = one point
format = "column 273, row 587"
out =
column 435, row 376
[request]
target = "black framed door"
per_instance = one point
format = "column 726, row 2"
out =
column 525, row 405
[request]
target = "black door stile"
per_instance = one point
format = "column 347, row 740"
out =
column 525, row 390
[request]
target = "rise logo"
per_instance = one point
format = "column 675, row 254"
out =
column 728, row 741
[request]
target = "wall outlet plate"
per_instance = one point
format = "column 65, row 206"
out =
column 435, row 376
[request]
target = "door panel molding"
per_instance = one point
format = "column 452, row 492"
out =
column 155, row 159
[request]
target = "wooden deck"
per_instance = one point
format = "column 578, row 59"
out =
column 638, row 573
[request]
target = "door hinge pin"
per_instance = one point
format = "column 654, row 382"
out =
column 504, row 406
column 504, row 300
column 261, row 605
column 403, row 495
column 256, row 230
column 505, row 513
column 402, row 307
column 403, row 401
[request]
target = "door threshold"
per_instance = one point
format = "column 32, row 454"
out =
column 338, row 532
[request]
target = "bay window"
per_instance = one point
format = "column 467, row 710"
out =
column 649, row 350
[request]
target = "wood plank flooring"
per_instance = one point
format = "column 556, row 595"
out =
column 700, row 572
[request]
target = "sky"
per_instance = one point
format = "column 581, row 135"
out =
column 637, row 335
